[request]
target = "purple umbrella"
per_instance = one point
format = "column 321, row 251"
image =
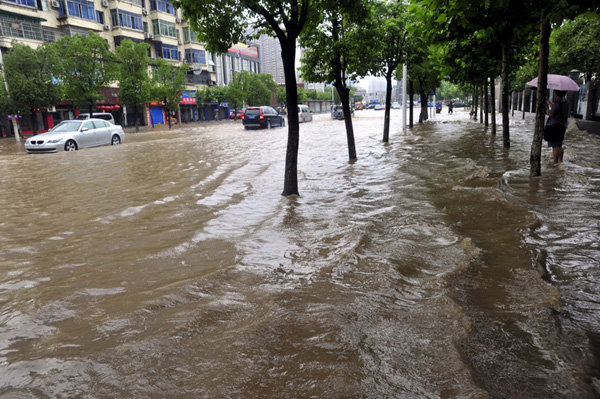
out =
column 557, row 82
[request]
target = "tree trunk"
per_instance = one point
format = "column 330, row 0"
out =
column 493, row 101
column 136, row 119
column 344, row 94
column 487, row 102
column 505, row 110
column 91, row 109
column 535, row 158
column 388, row 101
column 34, row 124
column 411, row 94
column 290, row 181
column 168, row 111
column 423, row 114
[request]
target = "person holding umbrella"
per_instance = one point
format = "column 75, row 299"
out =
column 558, row 113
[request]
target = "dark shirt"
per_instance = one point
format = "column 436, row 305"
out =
column 555, row 112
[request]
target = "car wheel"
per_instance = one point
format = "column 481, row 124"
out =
column 70, row 146
column 269, row 124
column 116, row 140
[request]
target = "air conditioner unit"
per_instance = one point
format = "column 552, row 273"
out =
column 144, row 11
column 179, row 41
column 55, row 3
column 107, row 27
column 148, row 35
column 105, row 3
column 178, row 20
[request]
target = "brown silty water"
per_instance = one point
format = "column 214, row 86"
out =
column 432, row 267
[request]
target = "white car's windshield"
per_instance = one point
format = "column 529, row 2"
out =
column 67, row 126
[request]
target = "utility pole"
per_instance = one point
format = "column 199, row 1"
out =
column 404, row 72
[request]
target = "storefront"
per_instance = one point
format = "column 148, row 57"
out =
column 188, row 107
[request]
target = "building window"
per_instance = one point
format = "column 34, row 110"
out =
column 30, row 3
column 167, row 51
column 78, row 8
column 160, row 27
column 15, row 26
column 189, row 35
column 162, row 5
column 100, row 17
column 126, row 19
column 195, row 56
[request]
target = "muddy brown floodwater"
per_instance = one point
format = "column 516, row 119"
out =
column 171, row 267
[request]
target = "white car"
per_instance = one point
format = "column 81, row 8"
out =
column 304, row 113
column 75, row 134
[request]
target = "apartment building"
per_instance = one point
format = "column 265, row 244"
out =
column 153, row 21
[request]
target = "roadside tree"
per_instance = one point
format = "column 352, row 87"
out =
column 30, row 85
column 86, row 66
column 221, row 24
column 167, row 84
column 132, row 74
column 335, row 51
column 392, row 36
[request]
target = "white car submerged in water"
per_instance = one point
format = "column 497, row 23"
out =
column 75, row 134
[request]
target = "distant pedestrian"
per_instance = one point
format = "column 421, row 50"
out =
column 450, row 106
column 558, row 112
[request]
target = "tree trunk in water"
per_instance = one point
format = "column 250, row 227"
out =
column 388, row 101
column 505, row 115
column 423, row 114
column 535, row 158
column 137, row 120
column 493, row 100
column 168, row 112
column 344, row 94
column 290, row 181
column 411, row 89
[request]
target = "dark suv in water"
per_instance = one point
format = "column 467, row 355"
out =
column 262, row 117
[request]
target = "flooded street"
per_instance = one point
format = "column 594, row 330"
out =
column 432, row 267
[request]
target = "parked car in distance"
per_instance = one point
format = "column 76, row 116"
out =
column 337, row 112
column 240, row 114
column 396, row 105
column 304, row 113
column 458, row 105
column 75, row 134
column 378, row 107
column 262, row 117
column 98, row 115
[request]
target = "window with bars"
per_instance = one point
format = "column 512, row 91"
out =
column 14, row 26
column 30, row 3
